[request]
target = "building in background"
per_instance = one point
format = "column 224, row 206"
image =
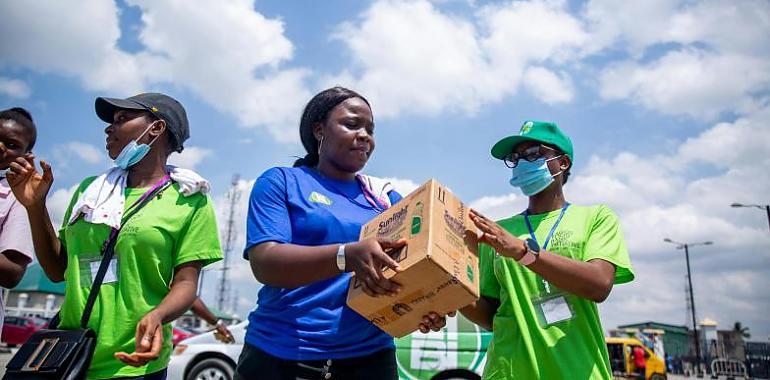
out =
column 677, row 339
column 715, row 345
column 35, row 296
column 728, row 344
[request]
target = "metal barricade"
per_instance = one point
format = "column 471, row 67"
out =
column 728, row 367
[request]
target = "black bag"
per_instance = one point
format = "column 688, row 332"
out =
column 52, row 354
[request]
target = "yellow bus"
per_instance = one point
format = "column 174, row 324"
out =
column 622, row 363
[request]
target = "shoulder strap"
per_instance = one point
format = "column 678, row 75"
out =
column 109, row 248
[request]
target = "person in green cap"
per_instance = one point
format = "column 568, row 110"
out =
column 544, row 270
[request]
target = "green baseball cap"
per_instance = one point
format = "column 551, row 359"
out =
column 541, row 131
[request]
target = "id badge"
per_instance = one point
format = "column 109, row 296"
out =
column 89, row 267
column 552, row 309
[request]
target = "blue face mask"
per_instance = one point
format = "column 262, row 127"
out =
column 133, row 152
column 532, row 177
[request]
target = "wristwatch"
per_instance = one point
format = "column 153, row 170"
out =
column 530, row 256
column 341, row 257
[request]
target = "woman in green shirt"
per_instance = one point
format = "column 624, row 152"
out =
column 543, row 271
column 159, row 251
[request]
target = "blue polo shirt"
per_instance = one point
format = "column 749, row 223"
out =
column 312, row 322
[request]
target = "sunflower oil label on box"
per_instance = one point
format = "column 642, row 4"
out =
column 440, row 261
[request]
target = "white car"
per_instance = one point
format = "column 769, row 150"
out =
column 203, row 357
column 458, row 352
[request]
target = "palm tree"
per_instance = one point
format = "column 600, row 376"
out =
column 741, row 330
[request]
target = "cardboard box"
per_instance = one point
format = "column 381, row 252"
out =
column 440, row 261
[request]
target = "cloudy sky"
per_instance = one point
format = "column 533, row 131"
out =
column 667, row 102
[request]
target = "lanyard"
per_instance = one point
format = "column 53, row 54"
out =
column 154, row 187
column 369, row 195
column 153, row 190
column 553, row 229
column 548, row 238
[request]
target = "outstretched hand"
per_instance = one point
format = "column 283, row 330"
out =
column 149, row 342
column 29, row 186
column 497, row 237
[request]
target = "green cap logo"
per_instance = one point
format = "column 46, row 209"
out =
column 526, row 128
column 319, row 198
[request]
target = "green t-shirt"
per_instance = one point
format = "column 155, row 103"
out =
column 571, row 349
column 168, row 231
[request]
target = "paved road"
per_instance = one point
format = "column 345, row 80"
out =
column 5, row 356
column 680, row 377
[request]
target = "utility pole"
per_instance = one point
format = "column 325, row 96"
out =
column 695, row 336
column 688, row 313
column 233, row 196
column 692, row 305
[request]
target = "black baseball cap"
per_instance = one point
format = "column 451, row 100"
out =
column 160, row 105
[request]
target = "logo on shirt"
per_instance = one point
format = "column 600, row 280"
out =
column 563, row 241
column 319, row 198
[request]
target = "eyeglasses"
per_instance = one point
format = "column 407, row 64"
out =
column 530, row 154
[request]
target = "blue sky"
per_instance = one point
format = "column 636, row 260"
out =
column 666, row 101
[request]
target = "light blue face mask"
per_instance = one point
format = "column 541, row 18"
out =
column 133, row 152
column 3, row 172
column 532, row 177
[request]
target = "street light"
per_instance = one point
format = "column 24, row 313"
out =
column 761, row 207
column 686, row 246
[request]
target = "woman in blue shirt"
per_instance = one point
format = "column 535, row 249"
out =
column 302, row 243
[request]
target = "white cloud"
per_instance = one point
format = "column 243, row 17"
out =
column 736, row 26
column 190, row 157
column 692, row 82
column 547, row 86
column 712, row 56
column 500, row 207
column 403, row 186
column 57, row 204
column 740, row 27
column 462, row 64
column 183, row 42
column 630, row 25
column 531, row 31
column 82, row 45
column 403, row 46
column 14, row 88
column 741, row 144
column 231, row 61
column 80, row 151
